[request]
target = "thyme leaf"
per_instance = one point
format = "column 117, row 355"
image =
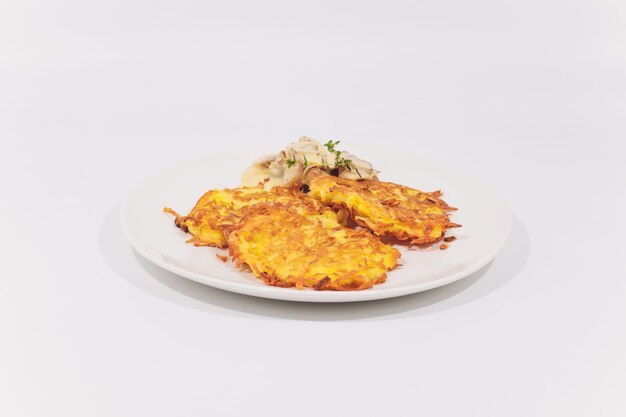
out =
column 330, row 145
column 340, row 162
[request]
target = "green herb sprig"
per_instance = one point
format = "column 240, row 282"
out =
column 291, row 162
column 330, row 145
column 340, row 162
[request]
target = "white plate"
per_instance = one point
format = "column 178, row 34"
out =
column 486, row 222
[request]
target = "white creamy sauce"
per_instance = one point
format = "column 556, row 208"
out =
column 291, row 165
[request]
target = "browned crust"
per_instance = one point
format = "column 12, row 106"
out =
column 353, row 280
column 396, row 205
column 222, row 217
column 229, row 221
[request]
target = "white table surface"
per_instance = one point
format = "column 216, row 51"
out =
column 96, row 96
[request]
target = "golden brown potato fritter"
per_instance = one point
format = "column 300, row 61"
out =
column 289, row 247
column 387, row 208
column 218, row 211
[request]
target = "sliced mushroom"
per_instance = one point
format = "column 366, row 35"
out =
column 300, row 161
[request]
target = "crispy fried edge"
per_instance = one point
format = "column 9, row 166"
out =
column 325, row 283
column 380, row 230
column 179, row 220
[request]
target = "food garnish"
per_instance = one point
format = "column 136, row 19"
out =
column 291, row 165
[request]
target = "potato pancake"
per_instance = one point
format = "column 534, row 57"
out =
column 386, row 208
column 288, row 246
column 217, row 211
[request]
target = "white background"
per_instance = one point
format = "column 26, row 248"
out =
column 97, row 96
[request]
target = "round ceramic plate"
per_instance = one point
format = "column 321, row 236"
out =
column 486, row 222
